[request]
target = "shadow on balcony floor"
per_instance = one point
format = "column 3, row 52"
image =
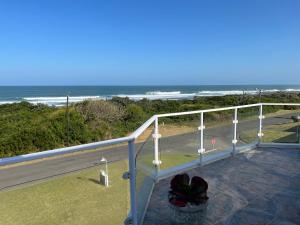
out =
column 258, row 187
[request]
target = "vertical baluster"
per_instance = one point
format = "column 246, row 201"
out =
column 235, row 122
column 156, row 136
column 201, row 150
column 261, row 117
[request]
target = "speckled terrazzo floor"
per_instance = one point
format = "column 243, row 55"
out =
column 259, row 187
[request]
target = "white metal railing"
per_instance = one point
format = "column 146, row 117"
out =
column 154, row 121
column 133, row 136
column 60, row 151
column 161, row 174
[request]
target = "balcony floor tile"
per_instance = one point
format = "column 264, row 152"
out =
column 259, row 187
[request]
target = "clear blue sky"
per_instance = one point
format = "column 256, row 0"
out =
column 164, row 42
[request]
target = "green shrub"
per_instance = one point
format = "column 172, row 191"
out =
column 26, row 128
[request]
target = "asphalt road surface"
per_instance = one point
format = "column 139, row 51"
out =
column 13, row 176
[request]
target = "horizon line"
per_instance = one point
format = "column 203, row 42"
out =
column 143, row 85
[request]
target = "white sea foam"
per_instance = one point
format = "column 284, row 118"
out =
column 8, row 102
column 234, row 92
column 223, row 93
column 163, row 93
column 176, row 95
column 292, row 90
column 59, row 101
column 219, row 93
column 151, row 95
column 53, row 101
column 60, row 98
column 155, row 95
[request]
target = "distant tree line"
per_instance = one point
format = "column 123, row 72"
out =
column 26, row 128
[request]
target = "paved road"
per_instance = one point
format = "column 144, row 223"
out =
column 46, row 169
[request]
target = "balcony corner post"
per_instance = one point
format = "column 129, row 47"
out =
column 132, row 177
column 298, row 134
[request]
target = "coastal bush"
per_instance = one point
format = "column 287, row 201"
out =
column 135, row 116
column 26, row 128
column 100, row 110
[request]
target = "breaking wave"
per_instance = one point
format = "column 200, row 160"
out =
column 52, row 101
column 177, row 95
column 155, row 95
column 151, row 95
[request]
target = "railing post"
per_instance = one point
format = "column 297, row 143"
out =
column 235, row 122
column 261, row 117
column 201, row 150
column 156, row 136
column 298, row 134
column 132, row 177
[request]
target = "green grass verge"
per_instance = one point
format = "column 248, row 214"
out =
column 278, row 133
column 173, row 159
column 74, row 199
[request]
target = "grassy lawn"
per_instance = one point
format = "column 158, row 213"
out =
column 279, row 133
column 171, row 129
column 173, row 159
column 176, row 159
column 74, row 199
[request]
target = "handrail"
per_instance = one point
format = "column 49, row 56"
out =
column 142, row 128
column 60, row 151
column 282, row 104
column 207, row 110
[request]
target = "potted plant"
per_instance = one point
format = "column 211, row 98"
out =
column 188, row 199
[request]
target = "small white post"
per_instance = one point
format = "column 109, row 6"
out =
column 104, row 178
column 201, row 150
column 235, row 122
column 156, row 136
column 104, row 174
column 261, row 117
column 132, row 177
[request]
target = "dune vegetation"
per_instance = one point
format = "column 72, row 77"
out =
column 26, row 128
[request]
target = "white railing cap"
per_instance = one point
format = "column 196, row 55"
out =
column 60, row 151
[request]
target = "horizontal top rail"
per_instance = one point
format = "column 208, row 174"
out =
column 282, row 104
column 142, row 128
column 60, row 151
column 208, row 110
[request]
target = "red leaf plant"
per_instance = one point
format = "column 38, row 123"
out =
column 184, row 191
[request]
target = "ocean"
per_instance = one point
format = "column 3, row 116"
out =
column 56, row 95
